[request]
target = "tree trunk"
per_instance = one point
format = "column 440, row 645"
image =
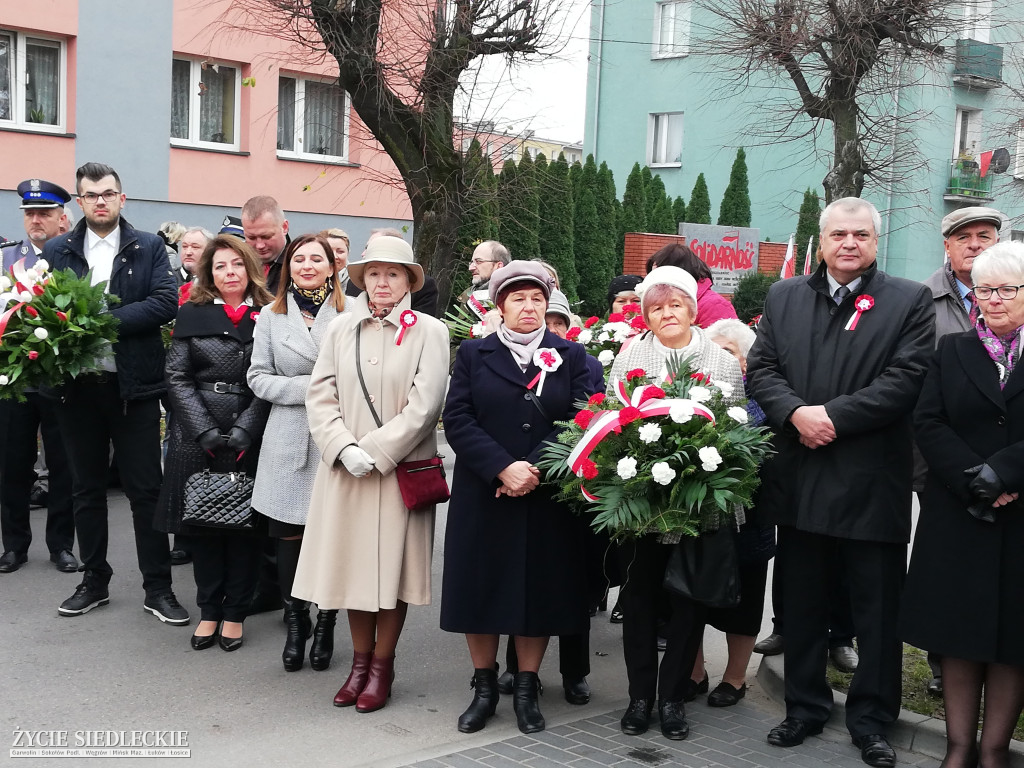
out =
column 846, row 179
column 436, row 217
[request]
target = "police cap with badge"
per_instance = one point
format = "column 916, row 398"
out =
column 37, row 193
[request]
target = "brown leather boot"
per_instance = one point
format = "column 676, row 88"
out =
column 350, row 691
column 378, row 687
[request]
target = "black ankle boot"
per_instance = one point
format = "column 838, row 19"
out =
column 524, row 702
column 322, row 648
column 485, row 701
column 296, row 616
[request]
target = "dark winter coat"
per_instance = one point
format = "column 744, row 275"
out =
column 207, row 348
column 142, row 279
column 868, row 379
column 512, row 565
column 966, row 579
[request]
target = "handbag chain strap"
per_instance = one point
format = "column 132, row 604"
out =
column 362, row 382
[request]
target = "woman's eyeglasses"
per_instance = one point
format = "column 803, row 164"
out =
column 1005, row 292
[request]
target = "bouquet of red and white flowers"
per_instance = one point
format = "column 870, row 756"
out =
column 604, row 338
column 54, row 326
column 648, row 459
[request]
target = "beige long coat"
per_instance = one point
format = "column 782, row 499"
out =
column 362, row 549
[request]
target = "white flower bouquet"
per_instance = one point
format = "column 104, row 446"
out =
column 654, row 459
column 604, row 338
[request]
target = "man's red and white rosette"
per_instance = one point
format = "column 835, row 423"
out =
column 862, row 305
column 406, row 320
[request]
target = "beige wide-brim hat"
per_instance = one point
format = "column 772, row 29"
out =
column 386, row 250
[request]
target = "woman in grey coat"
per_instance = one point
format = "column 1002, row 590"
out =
column 286, row 344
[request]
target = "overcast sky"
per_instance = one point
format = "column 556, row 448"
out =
column 547, row 97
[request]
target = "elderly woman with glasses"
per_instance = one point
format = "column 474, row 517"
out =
column 962, row 597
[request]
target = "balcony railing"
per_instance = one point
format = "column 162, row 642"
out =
column 966, row 184
column 978, row 65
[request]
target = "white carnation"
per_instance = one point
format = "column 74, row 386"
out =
column 680, row 413
column 586, row 336
column 626, row 468
column 4, row 381
column 738, row 414
column 41, row 333
column 5, row 283
column 650, row 433
column 606, row 357
column 710, row 458
column 662, row 473
column 605, row 335
column 726, row 388
column 700, row 394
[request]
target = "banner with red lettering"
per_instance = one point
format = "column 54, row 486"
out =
column 730, row 252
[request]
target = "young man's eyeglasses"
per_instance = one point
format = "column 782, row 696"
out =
column 108, row 197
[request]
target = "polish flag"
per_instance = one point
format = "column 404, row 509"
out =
column 807, row 258
column 789, row 264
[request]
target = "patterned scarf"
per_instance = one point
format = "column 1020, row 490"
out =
column 311, row 300
column 1004, row 350
column 521, row 345
column 378, row 312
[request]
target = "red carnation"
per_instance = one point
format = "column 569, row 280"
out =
column 636, row 373
column 596, row 399
column 616, row 317
column 590, row 321
column 652, row 393
column 638, row 324
column 699, row 377
column 572, row 334
column 31, row 310
column 631, row 308
column 589, row 469
column 583, row 419
column 62, row 316
column 38, row 290
column 33, row 355
column 629, row 414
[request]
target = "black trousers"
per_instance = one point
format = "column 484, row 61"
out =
column 226, row 567
column 876, row 571
column 643, row 562
column 93, row 417
column 22, row 422
column 840, row 616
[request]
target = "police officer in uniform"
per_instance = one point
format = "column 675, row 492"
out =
column 43, row 206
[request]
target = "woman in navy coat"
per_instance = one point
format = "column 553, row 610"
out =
column 966, row 579
column 515, row 559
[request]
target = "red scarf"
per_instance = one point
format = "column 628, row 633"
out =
column 236, row 314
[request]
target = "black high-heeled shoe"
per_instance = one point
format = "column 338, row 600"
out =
column 202, row 642
column 229, row 643
column 296, row 616
column 321, row 650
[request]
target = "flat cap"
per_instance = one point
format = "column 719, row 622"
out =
column 961, row 217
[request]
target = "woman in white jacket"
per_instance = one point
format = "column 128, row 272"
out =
column 285, row 347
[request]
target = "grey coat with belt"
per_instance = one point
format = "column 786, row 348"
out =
column 283, row 355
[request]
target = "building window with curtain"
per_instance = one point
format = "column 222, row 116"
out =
column 665, row 139
column 33, row 82
column 312, row 120
column 671, row 29
column 205, row 105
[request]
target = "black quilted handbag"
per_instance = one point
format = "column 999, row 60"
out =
column 219, row 500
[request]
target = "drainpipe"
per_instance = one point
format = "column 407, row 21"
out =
column 889, row 194
column 597, row 80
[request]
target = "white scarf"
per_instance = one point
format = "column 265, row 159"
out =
column 521, row 345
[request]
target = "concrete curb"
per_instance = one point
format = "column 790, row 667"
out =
column 916, row 733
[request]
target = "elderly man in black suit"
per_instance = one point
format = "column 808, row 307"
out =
column 837, row 367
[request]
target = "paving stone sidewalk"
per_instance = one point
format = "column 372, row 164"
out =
column 731, row 737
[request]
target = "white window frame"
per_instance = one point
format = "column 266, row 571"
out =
column 971, row 141
column 1018, row 160
column 977, row 20
column 19, row 120
column 652, row 119
column 195, row 76
column 299, row 138
column 680, row 14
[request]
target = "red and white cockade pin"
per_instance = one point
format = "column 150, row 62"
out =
column 405, row 320
column 548, row 360
column 862, row 305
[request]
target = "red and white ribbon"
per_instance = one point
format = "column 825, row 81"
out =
column 609, row 421
column 862, row 305
column 405, row 320
column 549, row 361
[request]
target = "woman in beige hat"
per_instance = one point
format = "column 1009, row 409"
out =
column 374, row 398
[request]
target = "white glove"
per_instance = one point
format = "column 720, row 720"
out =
column 357, row 461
